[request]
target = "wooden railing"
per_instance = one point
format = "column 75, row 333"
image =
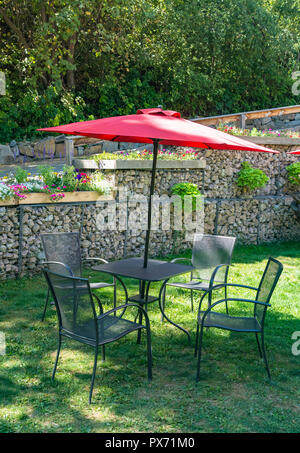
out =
column 243, row 116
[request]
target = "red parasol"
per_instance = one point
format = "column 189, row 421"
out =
column 164, row 125
column 157, row 126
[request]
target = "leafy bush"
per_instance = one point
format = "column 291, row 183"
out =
column 294, row 173
column 251, row 178
column 50, row 178
column 198, row 57
column 21, row 175
column 21, row 117
column 187, row 189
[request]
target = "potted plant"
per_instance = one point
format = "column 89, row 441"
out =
column 294, row 178
column 250, row 178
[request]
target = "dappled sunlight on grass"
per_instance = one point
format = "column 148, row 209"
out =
column 233, row 394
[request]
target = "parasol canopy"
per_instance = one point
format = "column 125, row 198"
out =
column 165, row 125
column 157, row 126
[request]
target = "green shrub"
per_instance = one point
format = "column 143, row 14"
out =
column 294, row 173
column 69, row 178
column 50, row 177
column 21, row 175
column 251, row 178
column 186, row 188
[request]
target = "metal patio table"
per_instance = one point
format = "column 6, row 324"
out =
column 156, row 271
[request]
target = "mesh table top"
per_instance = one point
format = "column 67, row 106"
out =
column 154, row 272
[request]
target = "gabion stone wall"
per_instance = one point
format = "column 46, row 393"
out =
column 261, row 217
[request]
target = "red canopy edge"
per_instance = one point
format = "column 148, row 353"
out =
column 165, row 125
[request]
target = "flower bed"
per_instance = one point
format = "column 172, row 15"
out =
column 188, row 154
column 141, row 160
column 233, row 130
column 50, row 186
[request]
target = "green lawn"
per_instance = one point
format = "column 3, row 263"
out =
column 233, row 395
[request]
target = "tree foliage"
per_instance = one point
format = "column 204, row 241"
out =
column 68, row 60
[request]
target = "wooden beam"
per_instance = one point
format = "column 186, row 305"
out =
column 255, row 114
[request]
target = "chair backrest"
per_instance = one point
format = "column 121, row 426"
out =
column 210, row 251
column 64, row 248
column 266, row 286
column 74, row 304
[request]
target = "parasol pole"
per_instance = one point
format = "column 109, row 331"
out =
column 155, row 152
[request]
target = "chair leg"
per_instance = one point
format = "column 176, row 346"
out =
column 46, row 305
column 199, row 355
column 115, row 295
column 197, row 340
column 163, row 302
column 264, row 355
column 192, row 300
column 94, row 374
column 103, row 353
column 226, row 304
column 57, row 357
column 258, row 345
column 149, row 355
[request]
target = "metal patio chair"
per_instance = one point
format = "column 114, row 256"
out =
column 63, row 255
column 211, row 257
column 252, row 324
column 78, row 320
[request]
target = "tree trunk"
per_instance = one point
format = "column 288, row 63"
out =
column 70, row 73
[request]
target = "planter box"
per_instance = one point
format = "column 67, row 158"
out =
column 89, row 164
column 10, row 202
column 285, row 141
column 70, row 197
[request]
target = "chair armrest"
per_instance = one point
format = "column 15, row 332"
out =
column 215, row 272
column 60, row 264
column 102, row 260
column 232, row 299
column 123, row 307
column 223, row 285
column 98, row 301
column 241, row 286
column 95, row 259
column 181, row 259
column 220, row 285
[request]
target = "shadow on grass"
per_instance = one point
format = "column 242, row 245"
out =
column 233, row 394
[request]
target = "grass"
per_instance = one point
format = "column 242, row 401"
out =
column 233, row 395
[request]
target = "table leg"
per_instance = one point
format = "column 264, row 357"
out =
column 143, row 295
column 161, row 307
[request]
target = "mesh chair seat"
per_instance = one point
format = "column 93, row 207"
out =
column 234, row 323
column 109, row 329
column 196, row 285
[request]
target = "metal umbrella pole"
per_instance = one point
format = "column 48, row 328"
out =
column 153, row 172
